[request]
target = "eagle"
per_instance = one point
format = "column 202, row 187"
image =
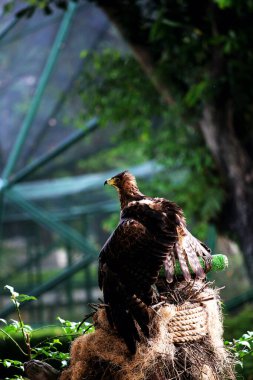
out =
column 151, row 235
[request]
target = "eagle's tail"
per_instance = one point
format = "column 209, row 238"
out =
column 125, row 326
column 140, row 313
column 126, row 317
column 126, row 311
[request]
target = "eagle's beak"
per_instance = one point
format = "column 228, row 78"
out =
column 110, row 182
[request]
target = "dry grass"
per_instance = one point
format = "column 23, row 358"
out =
column 185, row 343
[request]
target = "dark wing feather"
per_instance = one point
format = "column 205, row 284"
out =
column 187, row 249
column 129, row 265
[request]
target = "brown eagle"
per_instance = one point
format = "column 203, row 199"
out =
column 151, row 234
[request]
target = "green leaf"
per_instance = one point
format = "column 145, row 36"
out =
column 25, row 297
column 11, row 328
column 224, row 3
column 6, row 363
column 195, row 93
column 14, row 324
column 245, row 343
column 84, row 54
column 62, row 321
column 8, row 6
column 12, row 363
column 57, row 341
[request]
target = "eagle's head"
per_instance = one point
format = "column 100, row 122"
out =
column 122, row 180
column 126, row 185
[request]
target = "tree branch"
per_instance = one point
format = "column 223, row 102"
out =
column 128, row 19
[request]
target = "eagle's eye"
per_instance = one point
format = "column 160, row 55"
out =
column 117, row 181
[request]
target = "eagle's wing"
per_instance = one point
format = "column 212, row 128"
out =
column 129, row 265
column 188, row 250
column 152, row 233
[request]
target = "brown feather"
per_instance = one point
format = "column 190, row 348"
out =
column 169, row 267
column 151, row 233
column 183, row 262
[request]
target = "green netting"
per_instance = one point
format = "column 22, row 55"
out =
column 24, row 51
column 56, row 188
column 54, row 206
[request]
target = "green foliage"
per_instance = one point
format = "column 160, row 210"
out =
column 47, row 349
column 195, row 93
column 71, row 329
column 15, row 327
column 116, row 89
column 224, row 3
column 51, row 350
column 114, row 86
column 30, row 6
column 8, row 6
column 208, row 59
column 7, row 363
column 17, row 298
column 242, row 347
column 235, row 326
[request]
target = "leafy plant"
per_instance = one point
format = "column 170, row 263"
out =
column 19, row 325
column 241, row 347
column 49, row 348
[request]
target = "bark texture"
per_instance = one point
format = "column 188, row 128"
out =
column 236, row 168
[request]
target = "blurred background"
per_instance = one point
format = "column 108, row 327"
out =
column 88, row 89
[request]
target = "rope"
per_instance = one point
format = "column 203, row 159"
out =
column 189, row 323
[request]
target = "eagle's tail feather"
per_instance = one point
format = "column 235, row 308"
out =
column 125, row 326
column 140, row 313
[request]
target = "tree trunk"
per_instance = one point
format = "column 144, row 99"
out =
column 236, row 169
